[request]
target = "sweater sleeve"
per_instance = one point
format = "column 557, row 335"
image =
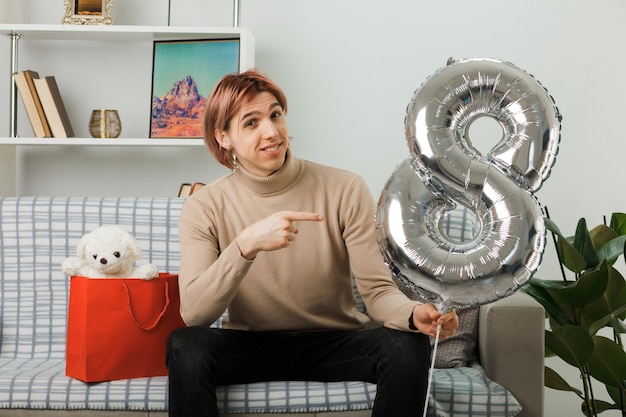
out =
column 209, row 275
column 383, row 299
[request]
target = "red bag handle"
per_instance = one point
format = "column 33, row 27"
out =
column 159, row 317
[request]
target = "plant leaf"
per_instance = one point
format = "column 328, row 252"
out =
column 600, row 407
column 608, row 362
column 618, row 223
column 584, row 245
column 601, row 235
column 589, row 287
column 612, row 249
column 609, row 320
column 614, row 393
column 568, row 255
column 538, row 289
column 570, row 343
column 597, row 315
column 548, row 284
column 555, row 381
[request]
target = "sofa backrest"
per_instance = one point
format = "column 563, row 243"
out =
column 38, row 233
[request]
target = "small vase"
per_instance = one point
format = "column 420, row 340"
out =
column 105, row 124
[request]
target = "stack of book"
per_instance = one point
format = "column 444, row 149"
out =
column 187, row 188
column 44, row 105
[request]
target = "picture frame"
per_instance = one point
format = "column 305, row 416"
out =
column 88, row 12
column 183, row 75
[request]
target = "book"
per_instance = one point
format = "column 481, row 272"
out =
column 53, row 107
column 196, row 186
column 24, row 80
column 184, row 190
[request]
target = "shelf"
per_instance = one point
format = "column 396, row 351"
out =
column 124, row 34
column 85, row 165
column 119, row 33
column 100, row 142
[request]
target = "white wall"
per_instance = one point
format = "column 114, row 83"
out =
column 350, row 67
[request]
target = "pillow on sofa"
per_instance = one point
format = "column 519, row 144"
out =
column 458, row 350
column 466, row 392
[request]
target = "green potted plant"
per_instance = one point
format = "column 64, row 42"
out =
column 586, row 313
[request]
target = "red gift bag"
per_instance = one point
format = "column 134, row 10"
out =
column 118, row 327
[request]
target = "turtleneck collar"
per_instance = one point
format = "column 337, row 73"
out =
column 283, row 179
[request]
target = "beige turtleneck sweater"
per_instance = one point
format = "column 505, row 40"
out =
column 306, row 286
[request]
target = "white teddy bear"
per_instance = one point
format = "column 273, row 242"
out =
column 108, row 252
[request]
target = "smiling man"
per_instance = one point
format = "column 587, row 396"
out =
column 276, row 242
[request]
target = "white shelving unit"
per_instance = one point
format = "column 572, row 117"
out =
column 99, row 142
column 58, row 50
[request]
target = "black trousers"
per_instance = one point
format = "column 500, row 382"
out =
column 200, row 358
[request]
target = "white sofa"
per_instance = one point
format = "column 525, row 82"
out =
column 37, row 233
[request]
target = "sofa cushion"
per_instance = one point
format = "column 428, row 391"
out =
column 42, row 384
column 466, row 392
column 458, row 350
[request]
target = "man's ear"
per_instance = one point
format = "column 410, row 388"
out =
column 222, row 139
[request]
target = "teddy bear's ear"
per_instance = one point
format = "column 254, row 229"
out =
column 82, row 246
column 133, row 246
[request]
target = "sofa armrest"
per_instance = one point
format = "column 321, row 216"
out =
column 511, row 346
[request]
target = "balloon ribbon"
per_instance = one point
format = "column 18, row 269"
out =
column 432, row 369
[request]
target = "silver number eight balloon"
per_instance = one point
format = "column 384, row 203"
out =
column 447, row 172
